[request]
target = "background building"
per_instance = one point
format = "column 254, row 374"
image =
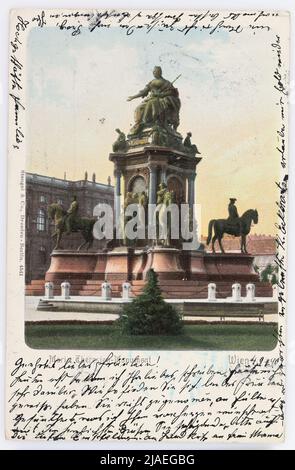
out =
column 41, row 191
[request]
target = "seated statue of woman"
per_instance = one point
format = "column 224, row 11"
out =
column 160, row 107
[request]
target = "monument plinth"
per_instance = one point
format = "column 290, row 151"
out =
column 123, row 264
column 231, row 267
column 69, row 265
column 118, row 264
column 166, row 262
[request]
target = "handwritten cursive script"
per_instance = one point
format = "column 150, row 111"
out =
column 100, row 399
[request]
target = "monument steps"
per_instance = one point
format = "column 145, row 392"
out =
column 47, row 306
column 37, row 287
column 38, row 282
column 170, row 289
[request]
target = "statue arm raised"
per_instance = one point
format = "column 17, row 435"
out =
column 140, row 94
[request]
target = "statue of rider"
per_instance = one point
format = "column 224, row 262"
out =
column 233, row 215
column 71, row 216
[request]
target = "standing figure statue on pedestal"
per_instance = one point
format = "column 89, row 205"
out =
column 163, row 221
column 161, row 193
column 127, row 201
column 143, row 199
column 143, row 210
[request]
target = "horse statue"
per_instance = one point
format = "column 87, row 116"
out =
column 84, row 225
column 241, row 228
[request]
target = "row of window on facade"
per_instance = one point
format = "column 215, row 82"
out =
column 41, row 219
column 41, row 215
column 43, row 199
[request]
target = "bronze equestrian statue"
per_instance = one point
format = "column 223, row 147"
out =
column 66, row 222
column 234, row 225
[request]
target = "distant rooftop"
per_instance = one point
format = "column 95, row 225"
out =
column 65, row 183
column 257, row 244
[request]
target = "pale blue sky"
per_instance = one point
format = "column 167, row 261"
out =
column 77, row 91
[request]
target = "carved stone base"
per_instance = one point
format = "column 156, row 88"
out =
column 170, row 263
column 235, row 267
column 138, row 264
column 67, row 265
column 86, row 271
column 100, row 266
column 196, row 269
column 118, row 264
column 165, row 262
column 156, row 136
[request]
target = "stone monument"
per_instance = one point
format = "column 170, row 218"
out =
column 155, row 166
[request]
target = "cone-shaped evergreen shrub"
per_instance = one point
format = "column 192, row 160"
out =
column 149, row 314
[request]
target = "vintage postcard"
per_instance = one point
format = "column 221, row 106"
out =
column 147, row 225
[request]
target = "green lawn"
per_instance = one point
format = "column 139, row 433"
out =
column 251, row 337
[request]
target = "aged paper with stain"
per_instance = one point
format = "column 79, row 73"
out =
column 71, row 73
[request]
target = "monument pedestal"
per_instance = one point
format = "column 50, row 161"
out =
column 118, row 264
column 100, row 266
column 138, row 263
column 67, row 265
column 169, row 263
column 183, row 274
column 196, row 269
column 233, row 267
column 165, row 262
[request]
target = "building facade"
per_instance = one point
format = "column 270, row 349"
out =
column 41, row 191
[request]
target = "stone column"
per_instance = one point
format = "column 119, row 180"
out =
column 164, row 174
column 191, row 189
column 123, row 186
column 152, row 191
column 191, row 201
column 153, row 184
column 117, row 174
